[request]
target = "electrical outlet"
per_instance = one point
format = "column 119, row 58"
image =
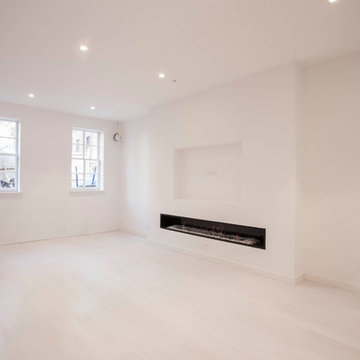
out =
column 203, row 245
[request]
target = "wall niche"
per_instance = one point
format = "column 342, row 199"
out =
column 208, row 173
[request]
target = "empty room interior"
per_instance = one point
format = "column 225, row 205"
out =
column 179, row 180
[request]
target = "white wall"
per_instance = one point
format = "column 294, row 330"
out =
column 134, row 191
column 330, row 155
column 46, row 208
column 259, row 113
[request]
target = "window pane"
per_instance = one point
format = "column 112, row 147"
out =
column 77, row 151
column 77, row 181
column 77, row 137
column 7, row 179
column 8, row 128
column 75, row 176
column 77, row 184
column 91, row 152
column 7, row 146
column 91, row 166
column 7, row 162
column 77, row 166
column 85, row 159
column 91, row 138
column 91, row 180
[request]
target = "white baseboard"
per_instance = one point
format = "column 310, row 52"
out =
column 132, row 232
column 275, row 276
column 332, row 282
column 250, row 269
column 299, row 278
column 58, row 238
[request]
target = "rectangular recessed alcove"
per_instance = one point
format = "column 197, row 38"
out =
column 236, row 234
column 208, row 173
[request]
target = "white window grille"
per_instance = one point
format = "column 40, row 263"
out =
column 87, row 159
column 9, row 155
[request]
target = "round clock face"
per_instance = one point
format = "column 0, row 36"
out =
column 117, row 136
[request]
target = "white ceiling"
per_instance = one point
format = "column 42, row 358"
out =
column 200, row 43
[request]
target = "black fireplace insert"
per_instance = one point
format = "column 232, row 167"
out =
column 236, row 234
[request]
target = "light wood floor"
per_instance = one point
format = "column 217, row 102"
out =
column 114, row 296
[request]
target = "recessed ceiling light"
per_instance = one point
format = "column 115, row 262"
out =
column 92, row 107
column 84, row 48
column 31, row 96
column 161, row 75
column 332, row 1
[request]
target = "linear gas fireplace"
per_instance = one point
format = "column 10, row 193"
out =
column 237, row 234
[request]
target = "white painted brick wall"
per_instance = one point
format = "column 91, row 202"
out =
column 46, row 208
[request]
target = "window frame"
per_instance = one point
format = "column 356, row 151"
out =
column 16, row 189
column 100, row 159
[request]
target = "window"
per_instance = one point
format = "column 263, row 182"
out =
column 9, row 155
column 87, row 160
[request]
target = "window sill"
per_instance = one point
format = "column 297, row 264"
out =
column 11, row 192
column 87, row 191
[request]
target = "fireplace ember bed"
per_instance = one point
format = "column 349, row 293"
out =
column 236, row 234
